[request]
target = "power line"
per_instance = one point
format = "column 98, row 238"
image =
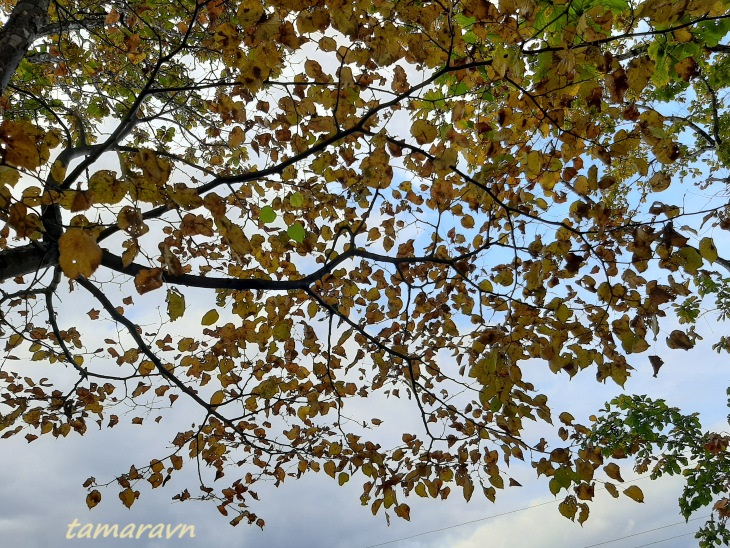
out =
column 649, row 531
column 485, row 518
column 460, row 524
column 664, row 540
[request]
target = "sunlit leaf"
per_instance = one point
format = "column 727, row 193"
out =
column 634, row 492
column 80, row 255
column 296, row 232
column 127, row 496
column 210, row 317
column 268, row 215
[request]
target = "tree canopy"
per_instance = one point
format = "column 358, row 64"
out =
column 419, row 199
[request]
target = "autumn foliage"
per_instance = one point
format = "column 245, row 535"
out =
column 375, row 200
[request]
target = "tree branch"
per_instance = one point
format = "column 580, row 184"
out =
column 92, row 21
column 19, row 261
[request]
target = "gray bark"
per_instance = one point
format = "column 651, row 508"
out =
column 27, row 259
column 18, row 34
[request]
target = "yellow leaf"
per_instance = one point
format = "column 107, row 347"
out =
column 8, row 176
column 33, row 416
column 584, row 491
column 282, row 331
column 268, row 389
column 329, row 468
column 303, row 413
column 376, row 506
column 131, row 251
column 79, row 254
column 14, row 340
column 186, row 197
column 584, row 511
column 127, row 497
column 708, row 250
column 343, row 478
column 53, row 138
column 639, row 73
column 131, row 221
column 660, row 181
column 210, row 317
column 423, row 131
column 235, row 237
column 582, row 185
column 106, row 188
column 635, row 493
column 687, row 68
column 177, row 462
column 155, row 169
column 566, row 418
column 389, row 497
column 690, row 259
column 21, row 141
column 666, row 151
column 175, row 304
column 217, row 398
column 93, row 498
column 236, row 137
column 403, row 511
column 534, row 164
column 146, row 368
column 568, row 507
column 58, row 171
column 327, row 44
column 249, row 13
column 563, row 313
column 613, row 471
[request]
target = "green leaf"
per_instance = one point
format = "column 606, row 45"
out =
column 296, row 199
column 296, row 232
column 267, row 215
column 465, row 21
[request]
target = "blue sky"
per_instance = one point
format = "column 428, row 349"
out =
column 42, row 492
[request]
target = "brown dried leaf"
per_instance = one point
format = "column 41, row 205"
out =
column 148, row 280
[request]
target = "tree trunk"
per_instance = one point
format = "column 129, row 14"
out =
column 18, row 34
